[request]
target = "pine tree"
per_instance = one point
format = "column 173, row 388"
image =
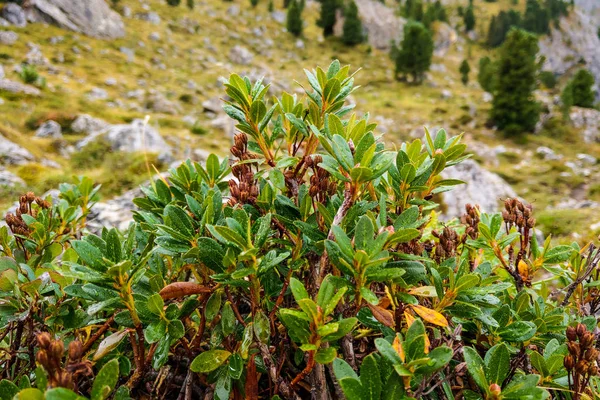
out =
column 190, row 4
column 414, row 55
column 327, row 18
column 514, row 109
column 581, row 89
column 486, row 74
column 500, row 25
column 254, row 3
column 294, row 18
column 536, row 18
column 353, row 30
column 271, row 6
column 469, row 19
column 173, row 3
column 464, row 72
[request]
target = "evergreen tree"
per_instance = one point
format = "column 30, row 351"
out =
column 440, row 11
column 414, row 55
column 190, row 4
column 500, row 25
column 294, row 18
column 327, row 19
column 486, row 74
column 469, row 19
column 580, row 87
column 407, row 9
column 464, row 71
column 353, row 30
column 173, row 3
column 536, row 17
column 514, row 109
column 254, row 3
column 271, row 6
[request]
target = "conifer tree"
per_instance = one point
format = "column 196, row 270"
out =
column 190, row 4
column 536, row 18
column 294, row 18
column 514, row 109
column 469, row 19
column 327, row 18
column 464, row 71
column 353, row 30
column 486, row 74
column 254, row 3
column 580, row 88
column 415, row 52
column 173, row 3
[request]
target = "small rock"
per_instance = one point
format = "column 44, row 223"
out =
column 130, row 53
column 10, row 180
column 8, row 37
column 2, row 74
column 587, row 159
column 299, row 44
column 158, row 103
column 547, row 153
column 151, row 17
column 13, row 154
column 126, row 11
column 446, row 94
column 225, row 124
column 154, row 36
column 49, row 129
column 233, row 10
column 87, row 124
column 279, row 16
column 97, row 94
column 240, row 55
column 110, row 82
column 487, row 97
column 18, row 87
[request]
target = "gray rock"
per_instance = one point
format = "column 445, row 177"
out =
column 13, row 154
column 240, row 55
column 151, row 17
column 547, row 153
column 279, row 16
column 8, row 37
column 446, row 94
column 90, row 17
column 299, row 44
column 380, row 23
column 214, row 105
column 445, row 36
column 225, row 124
column 49, row 129
column 35, row 56
column 587, row 159
column 2, row 74
column 97, row 94
column 18, row 87
column 233, row 10
column 487, row 97
column 10, row 180
column 154, row 36
column 482, row 187
column 134, row 137
column 160, row 104
column 110, row 82
column 588, row 120
column 116, row 212
column 88, row 125
column 14, row 14
column 130, row 53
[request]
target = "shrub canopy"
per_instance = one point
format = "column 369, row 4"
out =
column 311, row 263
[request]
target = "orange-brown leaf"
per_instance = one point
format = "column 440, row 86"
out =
column 409, row 318
column 182, row 289
column 397, row 345
column 382, row 315
column 429, row 315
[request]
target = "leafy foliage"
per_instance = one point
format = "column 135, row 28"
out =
column 314, row 247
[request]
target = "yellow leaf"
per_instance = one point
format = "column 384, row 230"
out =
column 429, row 315
column 409, row 319
column 424, row 291
column 523, row 269
column 397, row 345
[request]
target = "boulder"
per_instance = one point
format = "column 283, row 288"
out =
column 87, row 124
column 8, row 37
column 151, row 17
column 93, row 18
column 134, row 137
column 482, row 187
column 14, row 14
column 18, row 87
column 13, row 154
column 380, row 23
column 49, row 129
column 160, row 104
column 116, row 212
column 588, row 120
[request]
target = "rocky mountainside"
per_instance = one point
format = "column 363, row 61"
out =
column 139, row 84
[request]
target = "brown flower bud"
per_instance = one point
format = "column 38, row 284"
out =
column 57, row 348
column 587, row 340
column 44, row 339
column 42, row 358
column 75, row 350
column 573, row 348
column 495, row 390
column 581, row 366
column 30, row 197
column 581, row 330
column 571, row 333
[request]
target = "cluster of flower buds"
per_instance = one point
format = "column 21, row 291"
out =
column 471, row 220
column 582, row 361
column 517, row 214
column 244, row 190
column 50, row 358
column 321, row 186
column 15, row 222
column 415, row 247
column 448, row 241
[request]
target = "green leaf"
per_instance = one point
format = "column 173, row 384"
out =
column 326, row 355
column 342, row 369
column 476, row 367
column 386, row 350
column 30, row 394
column 8, row 390
column 262, row 327
column 90, row 254
column 62, row 394
column 518, row 331
column 156, row 304
column 227, row 319
column 352, row 389
column 342, row 152
column 179, row 220
column 105, row 380
column 113, row 246
column 228, row 236
column 497, row 364
column 211, row 254
column 297, row 326
column 558, row 254
column 370, row 378
column 209, row 361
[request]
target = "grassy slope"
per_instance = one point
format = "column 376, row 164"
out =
column 188, row 57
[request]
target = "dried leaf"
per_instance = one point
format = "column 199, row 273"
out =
column 429, row 315
column 182, row 289
column 382, row 315
column 397, row 345
column 424, row 291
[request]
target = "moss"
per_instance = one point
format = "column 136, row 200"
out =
column 92, row 155
column 133, row 171
column 560, row 223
